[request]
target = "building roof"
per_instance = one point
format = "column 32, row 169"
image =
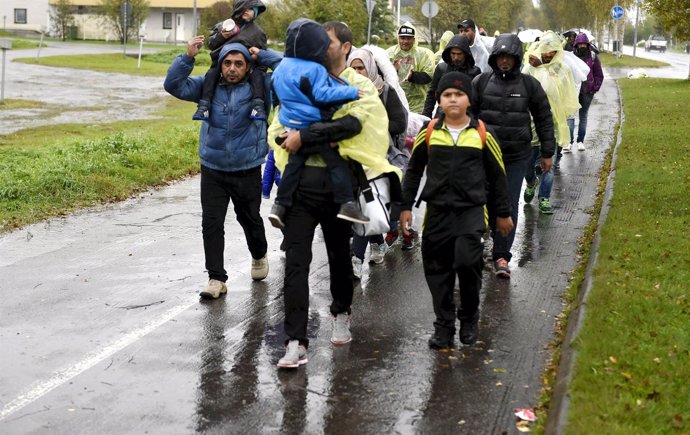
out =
column 170, row 4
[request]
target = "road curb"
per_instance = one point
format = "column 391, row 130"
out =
column 557, row 417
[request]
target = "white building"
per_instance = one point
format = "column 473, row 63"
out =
column 168, row 20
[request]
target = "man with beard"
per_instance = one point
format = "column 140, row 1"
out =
column 504, row 99
column 480, row 45
column 457, row 56
column 414, row 65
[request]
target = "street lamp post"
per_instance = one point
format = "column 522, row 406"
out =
column 194, row 25
column 637, row 20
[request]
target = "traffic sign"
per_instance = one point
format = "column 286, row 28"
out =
column 617, row 12
column 430, row 9
column 370, row 6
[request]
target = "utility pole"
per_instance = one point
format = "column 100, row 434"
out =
column 637, row 21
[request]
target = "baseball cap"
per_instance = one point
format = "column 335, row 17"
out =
column 406, row 31
column 466, row 24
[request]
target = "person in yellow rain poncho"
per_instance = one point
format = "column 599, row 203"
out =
column 442, row 44
column 415, row 66
column 544, row 60
column 360, row 128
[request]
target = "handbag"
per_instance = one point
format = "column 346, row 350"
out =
column 375, row 202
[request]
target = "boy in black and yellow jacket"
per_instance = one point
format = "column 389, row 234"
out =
column 462, row 161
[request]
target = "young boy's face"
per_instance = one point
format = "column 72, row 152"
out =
column 454, row 102
column 248, row 15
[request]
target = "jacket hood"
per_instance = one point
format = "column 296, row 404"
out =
column 507, row 44
column 581, row 38
column 459, row 41
column 234, row 46
column 307, row 40
column 243, row 5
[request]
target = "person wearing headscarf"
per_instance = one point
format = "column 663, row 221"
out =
column 414, row 64
column 456, row 57
column 364, row 63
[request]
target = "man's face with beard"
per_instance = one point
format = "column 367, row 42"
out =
column 547, row 57
column 505, row 62
column 457, row 57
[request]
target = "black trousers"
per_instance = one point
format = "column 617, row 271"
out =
column 451, row 245
column 217, row 189
column 313, row 204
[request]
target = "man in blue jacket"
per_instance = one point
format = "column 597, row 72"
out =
column 232, row 148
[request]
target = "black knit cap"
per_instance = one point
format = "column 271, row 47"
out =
column 455, row 80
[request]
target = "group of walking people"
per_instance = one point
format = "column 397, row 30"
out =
column 487, row 120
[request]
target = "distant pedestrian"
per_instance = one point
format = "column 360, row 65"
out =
column 242, row 29
column 414, row 64
column 547, row 64
column 461, row 160
column 505, row 99
column 232, row 148
column 585, row 51
column 457, row 56
column 479, row 45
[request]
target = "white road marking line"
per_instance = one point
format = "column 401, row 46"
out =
column 40, row 389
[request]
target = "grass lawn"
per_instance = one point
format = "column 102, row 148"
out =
column 611, row 61
column 18, row 44
column 117, row 63
column 633, row 354
column 41, row 176
column 9, row 104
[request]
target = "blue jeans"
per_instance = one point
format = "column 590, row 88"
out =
column 533, row 169
column 585, row 102
column 515, row 173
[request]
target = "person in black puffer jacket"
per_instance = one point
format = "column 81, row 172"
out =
column 505, row 99
column 457, row 56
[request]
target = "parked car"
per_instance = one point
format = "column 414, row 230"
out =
column 655, row 42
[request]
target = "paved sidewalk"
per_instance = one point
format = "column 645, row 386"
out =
column 102, row 330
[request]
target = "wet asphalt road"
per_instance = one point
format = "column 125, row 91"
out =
column 102, row 331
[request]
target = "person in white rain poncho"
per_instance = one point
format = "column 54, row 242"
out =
column 414, row 64
column 480, row 45
column 545, row 62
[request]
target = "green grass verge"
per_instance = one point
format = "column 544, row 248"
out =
column 151, row 65
column 41, row 177
column 9, row 104
column 625, row 61
column 19, row 44
column 634, row 349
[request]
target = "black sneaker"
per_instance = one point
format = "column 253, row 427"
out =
column 441, row 341
column 350, row 212
column 201, row 113
column 277, row 215
column 469, row 332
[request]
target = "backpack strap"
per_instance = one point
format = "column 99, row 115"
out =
column 430, row 129
column 481, row 129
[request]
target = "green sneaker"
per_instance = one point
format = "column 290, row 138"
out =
column 529, row 192
column 545, row 206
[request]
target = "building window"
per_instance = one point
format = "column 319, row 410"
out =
column 20, row 16
column 167, row 20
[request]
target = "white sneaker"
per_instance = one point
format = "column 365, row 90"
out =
column 295, row 355
column 377, row 252
column 580, row 146
column 214, row 289
column 259, row 268
column 341, row 329
column 357, row 267
column 566, row 147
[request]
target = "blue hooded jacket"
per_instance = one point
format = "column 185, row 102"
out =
column 301, row 82
column 229, row 141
